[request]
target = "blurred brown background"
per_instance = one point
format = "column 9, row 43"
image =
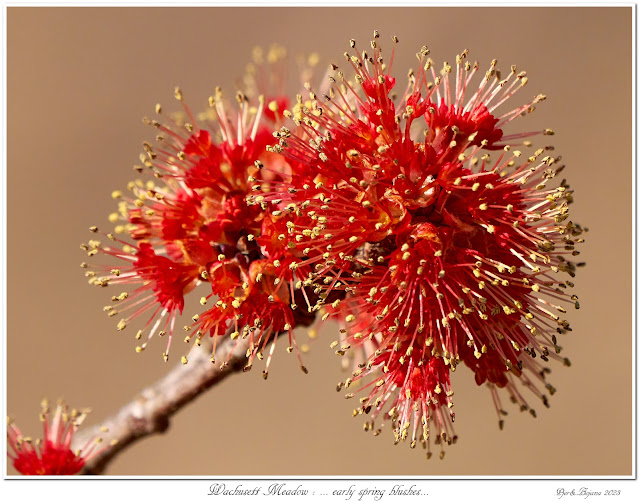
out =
column 79, row 81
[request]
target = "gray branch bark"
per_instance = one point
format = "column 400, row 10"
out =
column 150, row 411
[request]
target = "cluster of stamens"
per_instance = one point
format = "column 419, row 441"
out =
column 429, row 234
column 413, row 219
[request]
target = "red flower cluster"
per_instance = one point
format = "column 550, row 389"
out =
column 414, row 221
column 428, row 235
column 195, row 229
column 51, row 455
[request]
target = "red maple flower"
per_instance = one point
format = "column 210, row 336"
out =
column 51, row 455
column 429, row 250
column 193, row 230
